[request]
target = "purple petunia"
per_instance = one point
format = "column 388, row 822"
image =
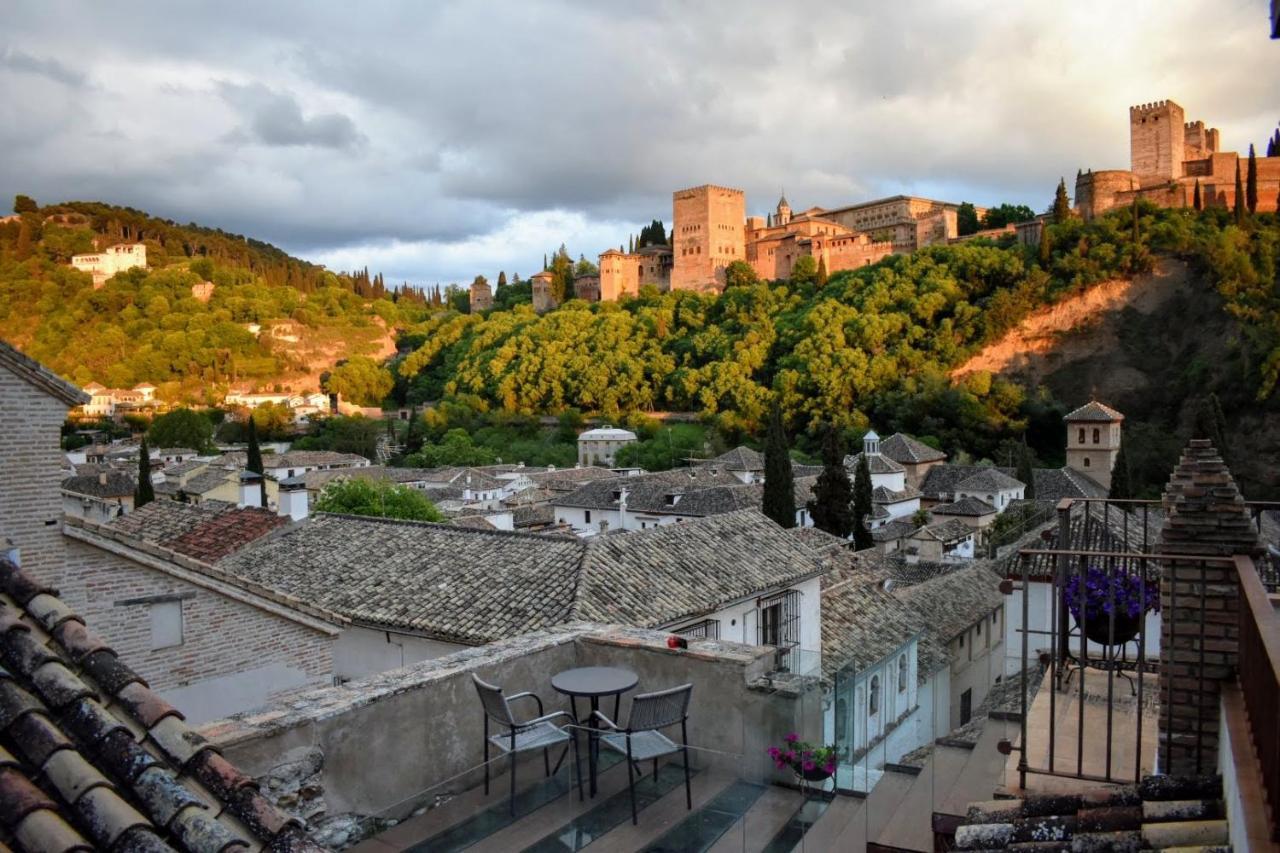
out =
column 1101, row 592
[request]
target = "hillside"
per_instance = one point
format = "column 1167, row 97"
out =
column 915, row 343
column 268, row 318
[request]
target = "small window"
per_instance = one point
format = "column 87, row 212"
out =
column 1097, row 436
column 962, row 641
column 166, row 624
column 586, row 516
column 873, row 706
column 902, row 673
column 1086, row 462
column 1080, row 435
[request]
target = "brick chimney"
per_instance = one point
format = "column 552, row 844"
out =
column 1205, row 517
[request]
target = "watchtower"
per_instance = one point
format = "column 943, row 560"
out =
column 708, row 233
column 1157, row 140
column 1093, row 439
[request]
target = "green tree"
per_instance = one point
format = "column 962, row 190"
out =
column 1251, row 182
column 831, row 506
column 740, row 274
column 1121, row 479
column 24, row 204
column 966, row 219
column 456, row 448
column 502, row 279
column 1026, row 472
column 862, row 505
column 1197, row 202
column 145, row 492
column 804, row 270
column 779, row 481
column 24, row 247
column 357, row 495
column 182, row 427
column 253, row 459
column 1044, row 252
column 360, row 380
column 1007, row 214
column 1238, row 209
column 821, row 278
column 1061, row 203
column 1137, row 234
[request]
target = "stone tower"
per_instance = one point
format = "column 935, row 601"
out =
column 783, row 214
column 708, row 233
column 1093, row 439
column 1157, row 140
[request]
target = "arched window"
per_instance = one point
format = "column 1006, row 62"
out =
column 873, row 705
column 902, row 673
column 1097, row 435
column 1086, row 462
column 1081, row 435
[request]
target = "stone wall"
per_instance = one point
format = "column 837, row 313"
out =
column 1157, row 141
column 31, row 471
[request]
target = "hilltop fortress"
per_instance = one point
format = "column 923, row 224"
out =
column 1168, row 156
column 710, row 229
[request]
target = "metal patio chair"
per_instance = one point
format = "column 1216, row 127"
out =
column 538, row 733
column 642, row 739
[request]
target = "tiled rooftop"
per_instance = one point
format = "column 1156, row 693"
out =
column 968, row 507
column 91, row 758
column 877, row 463
column 1094, row 411
column 108, row 484
column 904, row 449
column 474, row 586
column 206, row 532
column 950, row 601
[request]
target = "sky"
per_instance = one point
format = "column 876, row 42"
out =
column 435, row 141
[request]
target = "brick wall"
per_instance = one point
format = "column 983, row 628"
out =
column 1200, row 604
column 221, row 636
column 30, row 473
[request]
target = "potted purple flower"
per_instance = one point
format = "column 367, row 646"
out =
column 1110, row 606
column 810, row 762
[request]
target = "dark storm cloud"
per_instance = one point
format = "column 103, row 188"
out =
column 448, row 137
column 275, row 118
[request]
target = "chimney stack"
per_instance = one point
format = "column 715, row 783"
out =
column 294, row 500
column 252, row 489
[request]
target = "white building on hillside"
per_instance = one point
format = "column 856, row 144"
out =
column 115, row 259
column 600, row 446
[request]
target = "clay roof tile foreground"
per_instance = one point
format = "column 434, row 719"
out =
column 93, row 759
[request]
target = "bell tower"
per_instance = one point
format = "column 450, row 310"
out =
column 1093, row 441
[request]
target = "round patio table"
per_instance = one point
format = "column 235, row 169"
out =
column 593, row 682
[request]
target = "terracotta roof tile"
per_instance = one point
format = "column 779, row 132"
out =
column 74, row 716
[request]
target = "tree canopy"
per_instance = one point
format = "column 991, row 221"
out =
column 358, row 495
column 182, row 428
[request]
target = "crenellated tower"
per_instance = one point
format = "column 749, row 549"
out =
column 1157, row 141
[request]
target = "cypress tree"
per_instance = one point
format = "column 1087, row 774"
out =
column 831, row 504
column 1121, row 481
column 1197, row 202
column 779, row 483
column 253, row 461
column 862, row 505
column 1239, row 206
column 1251, row 182
column 1061, row 204
column 821, row 278
column 1137, row 236
column 145, row 492
column 1045, row 252
column 502, row 279
column 1025, row 472
column 1220, row 428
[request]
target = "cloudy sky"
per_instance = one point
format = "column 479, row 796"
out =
column 434, row 141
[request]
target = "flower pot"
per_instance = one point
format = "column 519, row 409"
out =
column 817, row 774
column 1099, row 629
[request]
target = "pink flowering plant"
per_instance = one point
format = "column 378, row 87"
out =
column 803, row 757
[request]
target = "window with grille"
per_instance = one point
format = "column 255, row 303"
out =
column 779, row 620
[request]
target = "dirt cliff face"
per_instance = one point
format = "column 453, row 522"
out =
column 1152, row 347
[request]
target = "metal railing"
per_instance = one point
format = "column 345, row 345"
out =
column 1259, row 674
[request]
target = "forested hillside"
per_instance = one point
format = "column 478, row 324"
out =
column 147, row 325
column 874, row 345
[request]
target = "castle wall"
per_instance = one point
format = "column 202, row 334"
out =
column 849, row 251
column 708, row 234
column 1157, row 141
column 619, row 275
column 587, row 288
